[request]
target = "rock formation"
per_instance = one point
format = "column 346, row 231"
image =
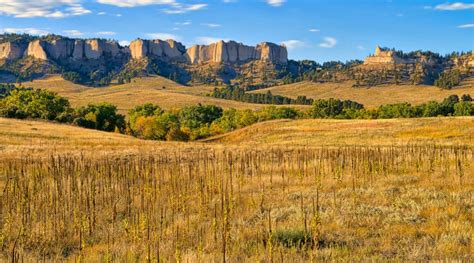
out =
column 232, row 52
column 383, row 57
column 171, row 49
column 273, row 52
column 11, row 51
column 36, row 50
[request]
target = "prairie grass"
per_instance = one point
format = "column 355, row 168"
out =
column 199, row 202
column 371, row 97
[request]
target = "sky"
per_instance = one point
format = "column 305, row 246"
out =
column 320, row 30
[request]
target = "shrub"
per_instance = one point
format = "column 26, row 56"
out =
column 464, row 108
column 292, row 238
column 176, row 134
column 28, row 103
column 101, row 116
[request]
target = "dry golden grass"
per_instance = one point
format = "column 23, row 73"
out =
column 446, row 130
column 139, row 91
column 370, row 97
column 71, row 194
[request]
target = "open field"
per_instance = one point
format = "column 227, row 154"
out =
column 314, row 132
column 403, row 193
column 139, row 91
column 370, row 97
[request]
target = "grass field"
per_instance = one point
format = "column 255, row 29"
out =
column 440, row 131
column 274, row 192
column 370, row 97
column 139, row 91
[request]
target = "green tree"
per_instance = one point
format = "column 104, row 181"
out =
column 29, row 103
column 464, row 108
column 102, row 116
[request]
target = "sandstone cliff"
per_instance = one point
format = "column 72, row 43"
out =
column 170, row 49
column 11, row 51
column 36, row 50
column 383, row 57
column 231, row 52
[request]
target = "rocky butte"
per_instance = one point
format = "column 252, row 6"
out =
column 233, row 52
column 59, row 48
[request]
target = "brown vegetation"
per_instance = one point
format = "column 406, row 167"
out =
column 148, row 201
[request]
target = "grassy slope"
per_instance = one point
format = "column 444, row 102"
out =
column 454, row 130
column 17, row 136
column 140, row 91
column 370, row 97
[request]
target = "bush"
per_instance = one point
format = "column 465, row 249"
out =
column 464, row 108
column 38, row 104
column 176, row 134
column 101, row 116
column 292, row 238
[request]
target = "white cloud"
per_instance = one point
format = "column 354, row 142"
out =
column 73, row 33
column 101, row 13
column 106, row 33
column 466, row 26
column 162, row 36
column 314, row 30
column 329, row 42
column 28, row 30
column 208, row 40
column 187, row 23
column 212, row 25
column 134, row 3
column 178, row 8
column 276, row 3
column 124, row 43
column 42, row 8
column 293, row 43
column 360, row 47
column 454, row 6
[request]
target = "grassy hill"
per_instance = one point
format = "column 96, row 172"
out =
column 161, row 91
column 455, row 130
column 370, row 97
column 17, row 136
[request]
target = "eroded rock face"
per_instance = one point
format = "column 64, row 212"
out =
column 78, row 52
column 381, row 57
column 232, row 52
column 59, row 48
column 171, row 49
column 272, row 52
column 36, row 50
column 11, row 51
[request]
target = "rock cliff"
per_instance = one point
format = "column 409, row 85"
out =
column 170, row 49
column 232, row 52
column 36, row 50
column 383, row 57
column 11, row 51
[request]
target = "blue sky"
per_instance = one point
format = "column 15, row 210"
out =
column 319, row 30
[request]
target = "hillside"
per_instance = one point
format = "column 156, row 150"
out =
column 446, row 131
column 370, row 97
column 161, row 91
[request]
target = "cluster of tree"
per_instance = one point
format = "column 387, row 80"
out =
column 239, row 94
column 450, row 106
column 149, row 121
column 24, row 103
column 449, row 79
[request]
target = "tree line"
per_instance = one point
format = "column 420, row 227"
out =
column 149, row 121
column 239, row 94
